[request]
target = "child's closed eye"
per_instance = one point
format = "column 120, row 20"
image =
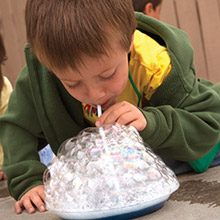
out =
column 73, row 85
column 108, row 76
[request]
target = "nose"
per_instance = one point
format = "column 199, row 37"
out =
column 95, row 93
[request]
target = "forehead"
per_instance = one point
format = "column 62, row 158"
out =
column 92, row 66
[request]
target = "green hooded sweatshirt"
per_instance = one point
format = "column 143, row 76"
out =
column 183, row 115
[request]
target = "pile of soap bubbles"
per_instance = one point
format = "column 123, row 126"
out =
column 106, row 168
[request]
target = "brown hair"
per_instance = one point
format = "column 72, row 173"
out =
column 2, row 59
column 139, row 5
column 62, row 31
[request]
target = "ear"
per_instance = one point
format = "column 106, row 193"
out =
column 148, row 9
column 132, row 42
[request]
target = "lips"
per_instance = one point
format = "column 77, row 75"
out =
column 108, row 103
column 105, row 105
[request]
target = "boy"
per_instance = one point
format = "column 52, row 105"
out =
column 149, row 7
column 86, row 53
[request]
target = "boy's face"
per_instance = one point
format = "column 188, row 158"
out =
column 99, row 81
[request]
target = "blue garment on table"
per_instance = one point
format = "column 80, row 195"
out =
column 46, row 155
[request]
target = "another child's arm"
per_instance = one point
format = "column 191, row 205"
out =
column 31, row 201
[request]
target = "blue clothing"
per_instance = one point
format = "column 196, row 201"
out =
column 46, row 155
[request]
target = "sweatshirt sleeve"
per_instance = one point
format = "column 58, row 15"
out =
column 188, row 130
column 21, row 137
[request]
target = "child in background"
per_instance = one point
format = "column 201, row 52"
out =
column 86, row 53
column 149, row 7
column 5, row 92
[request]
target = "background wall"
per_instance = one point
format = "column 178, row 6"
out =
column 199, row 18
column 13, row 31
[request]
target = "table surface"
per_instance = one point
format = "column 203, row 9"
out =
column 198, row 198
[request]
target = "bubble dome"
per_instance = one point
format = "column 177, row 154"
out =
column 103, row 171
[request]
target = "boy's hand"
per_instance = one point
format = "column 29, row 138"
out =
column 123, row 113
column 31, row 200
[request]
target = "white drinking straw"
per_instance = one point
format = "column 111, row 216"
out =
column 99, row 110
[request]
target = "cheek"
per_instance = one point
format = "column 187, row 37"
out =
column 119, row 84
column 122, row 79
column 75, row 93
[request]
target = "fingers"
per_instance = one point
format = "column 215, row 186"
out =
column 42, row 195
column 135, row 119
column 112, row 114
column 31, row 201
column 139, row 126
column 28, row 205
column 38, row 202
column 24, row 204
column 123, row 113
column 18, row 207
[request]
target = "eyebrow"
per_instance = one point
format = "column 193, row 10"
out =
column 76, row 80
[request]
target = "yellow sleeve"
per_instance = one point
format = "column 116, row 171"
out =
column 150, row 62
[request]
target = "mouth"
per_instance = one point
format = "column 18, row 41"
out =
column 108, row 103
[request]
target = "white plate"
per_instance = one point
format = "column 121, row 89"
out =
column 111, row 212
